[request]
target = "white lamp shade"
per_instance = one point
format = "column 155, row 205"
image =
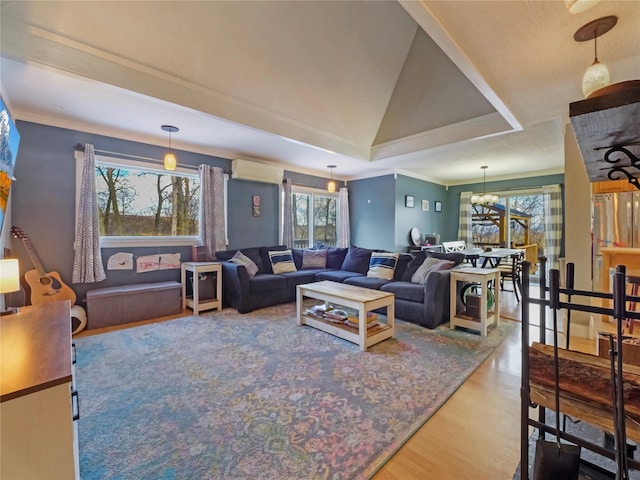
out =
column 9, row 276
column 596, row 77
column 331, row 186
column 579, row 6
column 170, row 161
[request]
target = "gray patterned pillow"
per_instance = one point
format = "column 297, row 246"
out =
column 314, row 259
column 242, row 259
column 428, row 266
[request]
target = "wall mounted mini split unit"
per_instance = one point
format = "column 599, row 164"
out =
column 257, row 172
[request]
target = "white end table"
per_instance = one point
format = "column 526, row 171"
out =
column 194, row 301
column 483, row 276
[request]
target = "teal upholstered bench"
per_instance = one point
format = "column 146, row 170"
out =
column 132, row 303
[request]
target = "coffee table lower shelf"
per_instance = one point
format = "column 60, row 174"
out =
column 375, row 334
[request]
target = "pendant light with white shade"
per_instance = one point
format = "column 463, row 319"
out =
column 170, row 161
column 331, row 186
column 597, row 75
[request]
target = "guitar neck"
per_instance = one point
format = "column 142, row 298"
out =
column 34, row 257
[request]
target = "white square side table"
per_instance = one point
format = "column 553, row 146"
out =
column 485, row 277
column 194, row 301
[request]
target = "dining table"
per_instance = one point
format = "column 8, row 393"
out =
column 492, row 258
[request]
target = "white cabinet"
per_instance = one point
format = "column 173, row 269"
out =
column 39, row 437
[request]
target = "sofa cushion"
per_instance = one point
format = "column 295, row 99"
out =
column 401, row 266
column 417, row 259
column 335, row 257
column 301, row 276
column 413, row 292
column 357, row 260
column 430, row 265
column 314, row 259
column 366, row 282
column 336, row 275
column 241, row 259
column 382, row 265
column 266, row 282
column 282, row 261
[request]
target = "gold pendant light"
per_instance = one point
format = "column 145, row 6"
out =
column 170, row 161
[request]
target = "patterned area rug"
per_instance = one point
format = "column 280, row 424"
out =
column 229, row 396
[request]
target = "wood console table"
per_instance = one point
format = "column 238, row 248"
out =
column 39, row 435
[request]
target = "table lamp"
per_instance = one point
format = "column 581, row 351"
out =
column 9, row 280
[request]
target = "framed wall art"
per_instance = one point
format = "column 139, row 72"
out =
column 437, row 206
column 409, row 201
column 255, row 203
column 425, row 205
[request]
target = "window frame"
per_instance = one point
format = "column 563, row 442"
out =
column 134, row 241
column 315, row 191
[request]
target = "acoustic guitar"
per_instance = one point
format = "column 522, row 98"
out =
column 45, row 286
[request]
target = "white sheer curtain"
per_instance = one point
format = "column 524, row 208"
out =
column 464, row 225
column 87, row 261
column 552, row 198
column 286, row 236
column 212, row 227
column 344, row 234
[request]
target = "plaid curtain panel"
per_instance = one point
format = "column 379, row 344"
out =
column 212, row 228
column 464, row 225
column 343, row 219
column 287, row 214
column 552, row 196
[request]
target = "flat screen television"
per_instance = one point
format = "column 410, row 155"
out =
column 10, row 139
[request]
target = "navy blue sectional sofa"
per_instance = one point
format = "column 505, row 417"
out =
column 426, row 305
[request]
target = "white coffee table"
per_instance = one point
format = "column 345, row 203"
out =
column 362, row 299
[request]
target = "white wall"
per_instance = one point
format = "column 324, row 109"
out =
column 577, row 211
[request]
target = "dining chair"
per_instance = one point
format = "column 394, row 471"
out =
column 511, row 270
column 455, row 246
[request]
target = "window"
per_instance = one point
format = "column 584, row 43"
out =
column 522, row 223
column 315, row 217
column 143, row 205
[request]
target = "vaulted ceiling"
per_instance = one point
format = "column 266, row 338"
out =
column 434, row 89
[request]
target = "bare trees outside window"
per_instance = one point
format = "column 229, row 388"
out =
column 135, row 202
column 315, row 217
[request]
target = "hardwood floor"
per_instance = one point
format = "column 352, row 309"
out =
column 476, row 434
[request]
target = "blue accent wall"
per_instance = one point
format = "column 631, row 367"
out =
column 372, row 212
column 379, row 218
column 407, row 218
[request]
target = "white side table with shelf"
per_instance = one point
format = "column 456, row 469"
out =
column 485, row 277
column 194, row 301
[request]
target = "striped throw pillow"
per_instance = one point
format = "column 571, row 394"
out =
column 382, row 265
column 282, row 261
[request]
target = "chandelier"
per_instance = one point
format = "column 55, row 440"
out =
column 485, row 198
